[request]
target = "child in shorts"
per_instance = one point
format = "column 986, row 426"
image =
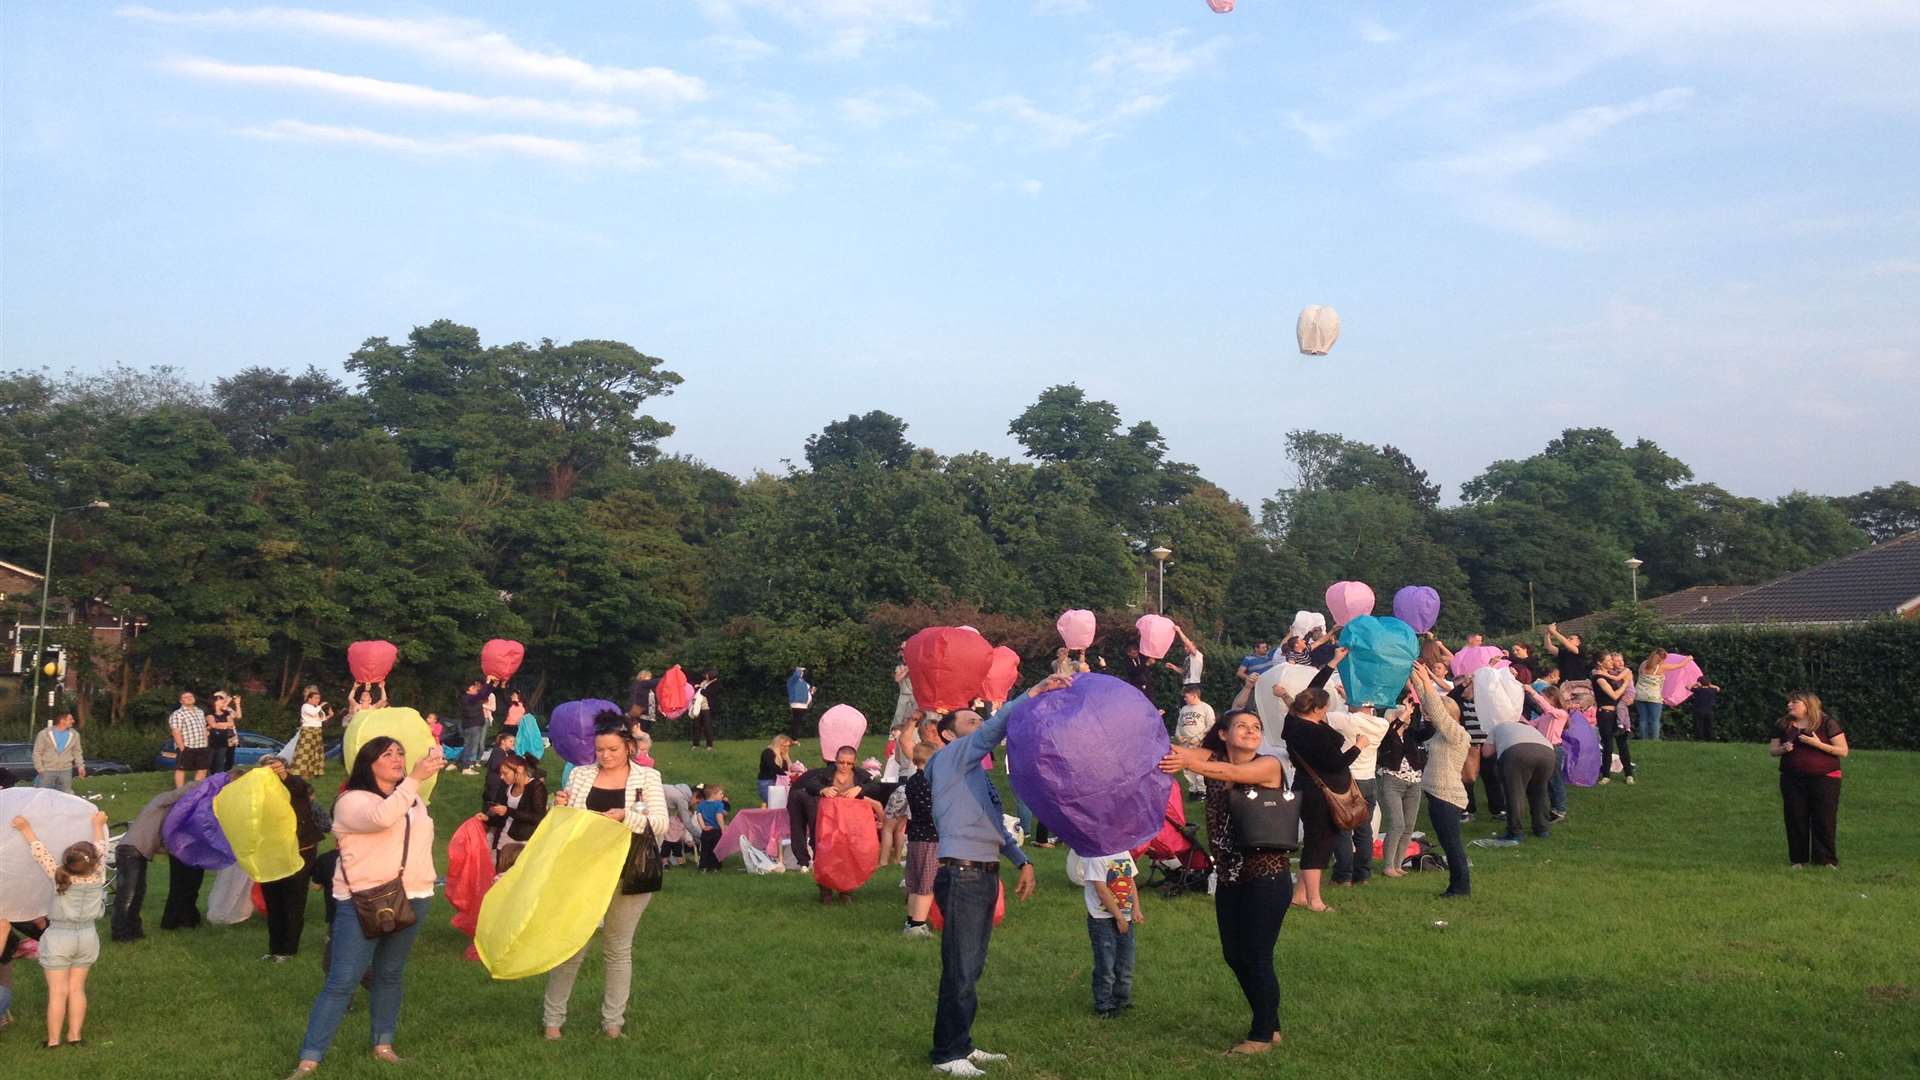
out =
column 71, row 945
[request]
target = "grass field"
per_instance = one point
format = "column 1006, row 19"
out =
column 1658, row 933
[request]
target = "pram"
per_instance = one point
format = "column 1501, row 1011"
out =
column 1173, row 858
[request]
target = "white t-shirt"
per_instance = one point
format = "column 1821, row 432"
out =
column 1351, row 724
column 1192, row 664
column 1195, row 720
column 1514, row 733
column 1118, row 872
column 312, row 717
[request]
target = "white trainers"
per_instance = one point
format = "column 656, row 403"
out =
column 981, row 1057
column 921, row 931
column 957, row 1067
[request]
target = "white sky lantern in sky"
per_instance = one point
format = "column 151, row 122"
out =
column 1318, row 329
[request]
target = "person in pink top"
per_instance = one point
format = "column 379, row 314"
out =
column 383, row 831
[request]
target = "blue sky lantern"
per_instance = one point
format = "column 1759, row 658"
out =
column 1380, row 656
column 1086, row 760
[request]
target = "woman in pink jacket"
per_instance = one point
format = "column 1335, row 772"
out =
column 383, row 831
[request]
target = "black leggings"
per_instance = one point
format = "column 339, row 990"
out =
column 1614, row 740
column 1316, row 849
column 1248, row 916
column 286, row 911
column 183, row 895
column 703, row 729
column 1812, row 806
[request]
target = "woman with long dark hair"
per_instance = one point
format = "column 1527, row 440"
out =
column 1252, row 887
column 1440, row 780
column 383, row 832
column 627, row 792
column 1810, row 744
column 1318, row 747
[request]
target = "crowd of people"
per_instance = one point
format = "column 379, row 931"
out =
column 1281, row 808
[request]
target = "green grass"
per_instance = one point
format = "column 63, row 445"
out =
column 1659, row 933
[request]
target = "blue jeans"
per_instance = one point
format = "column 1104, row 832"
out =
column 1353, row 849
column 1557, row 785
column 765, row 787
column 1446, row 828
column 966, row 896
column 352, row 953
column 472, row 750
column 1112, row 964
column 1646, row 719
column 57, row 779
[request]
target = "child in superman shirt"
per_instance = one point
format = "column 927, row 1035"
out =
column 1113, row 910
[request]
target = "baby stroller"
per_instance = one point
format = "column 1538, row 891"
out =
column 1173, row 858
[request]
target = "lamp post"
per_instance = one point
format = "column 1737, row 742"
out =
column 1160, row 555
column 46, row 590
column 1633, row 567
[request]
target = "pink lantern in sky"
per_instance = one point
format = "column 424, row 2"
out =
column 1076, row 628
column 1348, row 600
column 1156, row 635
column 1221, row 7
column 842, row 725
column 371, row 661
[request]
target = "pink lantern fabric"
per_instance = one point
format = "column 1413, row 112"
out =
column 1221, row 7
column 1004, row 672
column 1418, row 606
column 842, row 725
column 1472, row 659
column 1348, row 600
column 948, row 666
column 371, row 661
column 1076, row 628
column 501, row 658
column 1156, row 635
column 1679, row 684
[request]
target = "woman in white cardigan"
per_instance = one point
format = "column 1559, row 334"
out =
column 614, row 785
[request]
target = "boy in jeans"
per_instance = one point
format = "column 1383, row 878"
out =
column 1113, row 909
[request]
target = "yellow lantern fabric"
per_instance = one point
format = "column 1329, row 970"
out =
column 256, row 813
column 403, row 724
column 546, row 907
column 1317, row 330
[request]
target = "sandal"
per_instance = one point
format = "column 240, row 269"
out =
column 305, row 1068
column 1248, row 1047
column 386, row 1054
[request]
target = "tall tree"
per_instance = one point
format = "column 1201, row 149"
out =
column 1885, row 512
column 876, row 436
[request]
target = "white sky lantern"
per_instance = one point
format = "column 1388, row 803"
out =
column 1318, row 329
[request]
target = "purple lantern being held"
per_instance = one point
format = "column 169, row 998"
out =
column 1418, row 606
column 570, row 728
column 1086, row 760
column 192, row 834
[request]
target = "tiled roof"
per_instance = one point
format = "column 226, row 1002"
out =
column 1878, row 582
column 1671, row 606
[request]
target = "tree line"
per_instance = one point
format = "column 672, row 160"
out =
column 456, row 491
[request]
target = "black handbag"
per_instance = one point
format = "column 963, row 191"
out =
column 642, row 874
column 1263, row 819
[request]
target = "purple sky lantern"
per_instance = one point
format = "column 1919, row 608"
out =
column 1086, row 761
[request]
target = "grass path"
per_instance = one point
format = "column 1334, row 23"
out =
column 1659, row 933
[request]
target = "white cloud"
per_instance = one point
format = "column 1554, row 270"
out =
column 1062, row 7
column 1052, row 129
column 1656, row 21
column 458, row 42
column 1511, row 155
column 1153, row 62
column 1894, row 268
column 747, row 156
column 1374, row 32
column 738, row 47
column 1129, row 77
column 847, row 28
column 565, row 151
column 405, row 95
column 885, row 104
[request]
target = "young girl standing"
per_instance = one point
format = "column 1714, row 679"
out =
column 71, row 945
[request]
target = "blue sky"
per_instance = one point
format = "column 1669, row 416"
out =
column 1697, row 222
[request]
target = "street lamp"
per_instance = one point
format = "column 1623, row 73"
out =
column 46, row 589
column 1160, row 555
column 1633, row 567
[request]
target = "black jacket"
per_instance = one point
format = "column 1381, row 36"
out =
column 519, row 821
column 1405, row 743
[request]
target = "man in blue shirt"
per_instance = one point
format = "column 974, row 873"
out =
column 1251, row 668
column 973, row 837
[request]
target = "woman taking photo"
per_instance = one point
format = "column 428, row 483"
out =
column 774, row 761
column 384, row 836
column 1315, row 749
column 1810, row 744
column 1440, row 780
column 1253, row 887
column 630, row 794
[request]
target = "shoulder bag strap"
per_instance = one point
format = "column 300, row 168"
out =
column 406, row 845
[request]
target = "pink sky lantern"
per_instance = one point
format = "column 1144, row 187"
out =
column 1348, row 600
column 1679, row 684
column 1156, row 635
column 371, row 661
column 1473, row 658
column 500, row 658
column 1004, row 672
column 842, row 725
column 1076, row 628
column 948, row 665
column 1221, row 7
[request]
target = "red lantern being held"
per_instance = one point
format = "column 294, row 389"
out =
column 469, row 872
column 846, row 844
column 500, row 658
column 371, row 661
column 1001, row 675
column 948, row 665
column 673, row 694
column 939, row 921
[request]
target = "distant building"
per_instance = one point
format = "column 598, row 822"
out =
column 20, row 613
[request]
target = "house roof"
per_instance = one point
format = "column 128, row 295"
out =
column 21, row 570
column 1878, row 582
column 1672, row 606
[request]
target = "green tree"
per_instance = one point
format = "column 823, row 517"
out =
column 876, row 436
column 1885, row 512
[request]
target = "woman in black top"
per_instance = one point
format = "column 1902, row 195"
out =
column 1402, row 757
column 286, row 899
column 773, row 764
column 1810, row 744
column 1251, row 887
column 1312, row 743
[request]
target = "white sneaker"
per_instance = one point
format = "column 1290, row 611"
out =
column 981, row 1057
column 921, row 931
column 1629, row 779
column 957, row 1067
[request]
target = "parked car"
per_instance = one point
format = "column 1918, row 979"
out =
column 247, row 753
column 18, row 758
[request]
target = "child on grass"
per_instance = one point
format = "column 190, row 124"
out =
column 71, row 944
column 923, row 844
column 1113, row 909
column 712, row 812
